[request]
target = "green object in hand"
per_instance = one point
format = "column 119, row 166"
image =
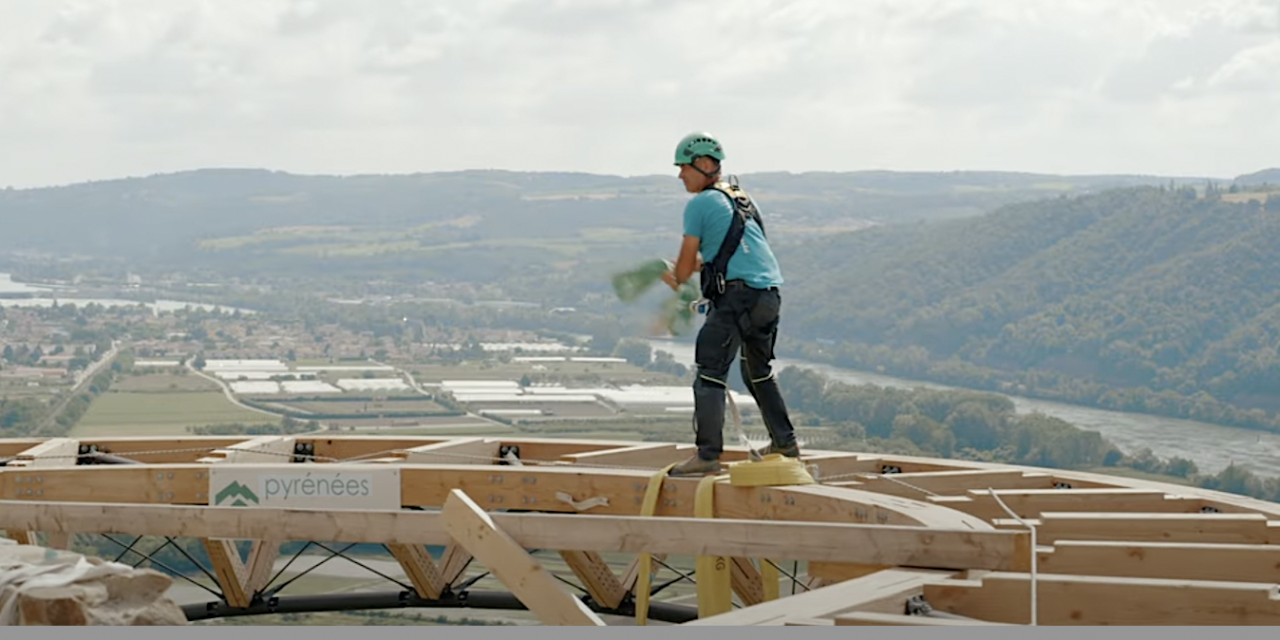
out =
column 630, row 285
column 676, row 314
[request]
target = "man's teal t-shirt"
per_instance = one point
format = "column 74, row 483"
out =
column 707, row 217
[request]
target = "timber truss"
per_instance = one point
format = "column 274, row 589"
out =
column 874, row 540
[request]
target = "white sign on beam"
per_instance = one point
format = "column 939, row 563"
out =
column 304, row 486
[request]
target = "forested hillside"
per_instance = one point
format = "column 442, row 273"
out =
column 1110, row 299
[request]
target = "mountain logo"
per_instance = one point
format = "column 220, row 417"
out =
column 239, row 495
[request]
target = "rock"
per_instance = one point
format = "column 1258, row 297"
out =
column 45, row 587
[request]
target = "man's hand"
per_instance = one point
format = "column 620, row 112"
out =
column 670, row 278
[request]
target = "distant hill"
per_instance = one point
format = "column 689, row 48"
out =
column 225, row 216
column 1122, row 294
column 1266, row 176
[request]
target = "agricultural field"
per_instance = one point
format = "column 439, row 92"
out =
column 162, row 383
column 357, row 407
column 567, row 372
column 149, row 413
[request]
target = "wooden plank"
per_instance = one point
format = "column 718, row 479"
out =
column 420, row 569
column 538, row 488
column 1095, row 600
column 481, row 451
column 361, row 448
column 50, row 453
column 882, row 591
column 745, row 580
column 229, row 569
column 640, row 455
column 1167, row 560
column 472, row 528
column 596, row 576
column 152, row 450
column 809, row 622
column 1031, row 503
column 21, row 536
column 1222, row 528
column 10, row 447
column 54, row 452
column 875, row 619
column 262, row 449
column 833, row 572
column 834, row 542
column 960, row 482
column 259, row 567
column 453, row 563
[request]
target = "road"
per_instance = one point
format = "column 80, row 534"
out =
column 82, row 380
column 226, row 391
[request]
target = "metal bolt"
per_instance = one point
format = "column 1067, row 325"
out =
column 171, row 476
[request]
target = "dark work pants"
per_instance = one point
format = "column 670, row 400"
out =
column 743, row 320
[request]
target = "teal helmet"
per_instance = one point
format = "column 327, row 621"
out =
column 698, row 144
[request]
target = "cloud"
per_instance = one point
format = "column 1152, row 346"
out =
column 119, row 87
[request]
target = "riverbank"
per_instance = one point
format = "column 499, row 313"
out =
column 1212, row 447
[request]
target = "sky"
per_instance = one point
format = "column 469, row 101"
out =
column 103, row 89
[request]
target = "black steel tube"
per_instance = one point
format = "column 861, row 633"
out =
column 495, row 600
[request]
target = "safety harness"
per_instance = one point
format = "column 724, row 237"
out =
column 713, row 272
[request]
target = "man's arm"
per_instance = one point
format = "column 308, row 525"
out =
column 686, row 263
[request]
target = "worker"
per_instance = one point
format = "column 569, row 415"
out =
column 745, row 304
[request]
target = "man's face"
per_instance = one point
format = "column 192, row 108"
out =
column 695, row 181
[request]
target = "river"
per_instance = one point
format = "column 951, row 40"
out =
column 1211, row 446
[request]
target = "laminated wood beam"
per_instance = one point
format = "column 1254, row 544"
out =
column 1222, row 528
column 472, row 528
column 875, row 619
column 453, row 563
column 641, row 455
column 813, row 541
column 229, row 569
column 1168, row 560
column 420, row 568
column 600, row 581
column 474, row 451
column 882, row 591
column 1096, row 600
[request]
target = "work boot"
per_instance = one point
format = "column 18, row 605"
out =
column 792, row 451
column 695, row 466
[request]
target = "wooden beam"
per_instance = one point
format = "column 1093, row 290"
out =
column 1031, row 503
column 453, row 563
column 600, row 581
column 33, row 460
column 229, row 569
column 875, row 619
column 833, row 572
column 472, row 528
column 640, row 455
column 1222, row 528
column 420, row 568
column 958, row 482
column 21, row 536
column 745, row 580
column 150, row 450
column 1169, row 560
column 263, row 449
column 883, row 591
column 833, row 542
column 482, row 451
column 262, row 559
column 54, row 452
column 1095, row 600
